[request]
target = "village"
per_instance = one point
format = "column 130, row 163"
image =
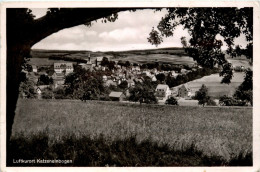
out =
column 120, row 73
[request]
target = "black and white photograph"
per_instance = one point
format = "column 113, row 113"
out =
column 129, row 86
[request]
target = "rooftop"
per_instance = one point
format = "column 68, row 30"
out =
column 162, row 86
column 115, row 94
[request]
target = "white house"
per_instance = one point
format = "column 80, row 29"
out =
column 63, row 67
column 162, row 91
column 34, row 68
column 184, row 91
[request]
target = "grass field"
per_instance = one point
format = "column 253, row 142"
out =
column 170, row 55
column 223, row 132
column 215, row 88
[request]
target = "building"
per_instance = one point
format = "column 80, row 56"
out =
column 162, row 91
column 34, row 68
column 184, row 91
column 117, row 96
column 63, row 68
column 98, row 61
column 174, row 92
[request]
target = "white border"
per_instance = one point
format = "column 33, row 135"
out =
column 256, row 71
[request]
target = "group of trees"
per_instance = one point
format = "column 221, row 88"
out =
column 45, row 80
column 203, row 97
column 192, row 75
column 243, row 94
column 143, row 92
column 70, row 59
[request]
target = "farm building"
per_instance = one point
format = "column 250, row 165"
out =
column 116, row 96
column 63, row 67
column 162, row 91
column 184, row 91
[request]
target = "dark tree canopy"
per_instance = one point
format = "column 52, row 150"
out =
column 204, row 25
column 202, row 95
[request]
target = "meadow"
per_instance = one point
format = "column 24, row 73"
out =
column 215, row 88
column 215, row 132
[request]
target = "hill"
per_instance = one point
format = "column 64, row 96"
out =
column 166, row 55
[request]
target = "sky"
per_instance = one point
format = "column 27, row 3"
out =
column 129, row 32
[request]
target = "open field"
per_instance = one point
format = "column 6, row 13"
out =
column 215, row 88
column 163, row 58
column 170, row 55
column 166, row 55
column 224, row 132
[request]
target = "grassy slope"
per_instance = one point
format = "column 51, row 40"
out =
column 221, row 132
column 215, row 88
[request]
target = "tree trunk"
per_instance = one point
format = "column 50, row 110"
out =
column 15, row 59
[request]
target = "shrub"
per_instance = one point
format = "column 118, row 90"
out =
column 211, row 102
column 230, row 101
column 171, row 101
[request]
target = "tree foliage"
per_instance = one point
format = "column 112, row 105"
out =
column 202, row 95
column 161, row 77
column 245, row 91
column 27, row 89
column 44, row 80
column 47, row 93
column 204, row 26
column 171, row 101
column 85, row 85
column 143, row 93
column 230, row 101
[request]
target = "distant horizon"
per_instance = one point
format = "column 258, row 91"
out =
column 110, row 50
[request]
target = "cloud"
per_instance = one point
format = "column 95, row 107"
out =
column 120, row 35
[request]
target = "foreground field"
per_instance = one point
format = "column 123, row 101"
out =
column 223, row 132
column 215, row 88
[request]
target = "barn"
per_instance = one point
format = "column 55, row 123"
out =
column 117, row 96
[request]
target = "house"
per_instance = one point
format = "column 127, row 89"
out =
column 136, row 68
column 63, row 68
column 38, row 90
column 98, row 61
column 184, row 91
column 174, row 92
column 162, row 91
column 117, row 96
column 34, row 68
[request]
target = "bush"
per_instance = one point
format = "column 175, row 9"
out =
column 171, row 101
column 230, row 101
column 47, row 93
column 211, row 102
column 59, row 93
